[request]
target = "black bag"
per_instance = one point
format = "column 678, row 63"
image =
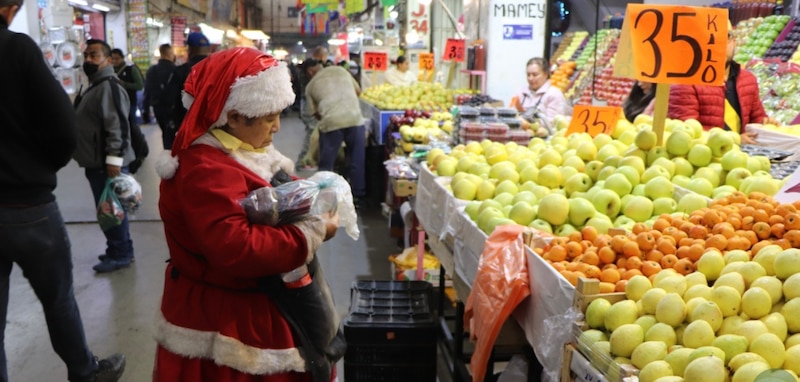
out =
column 138, row 142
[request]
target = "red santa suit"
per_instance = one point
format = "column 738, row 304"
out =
column 214, row 323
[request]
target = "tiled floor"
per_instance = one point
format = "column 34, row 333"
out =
column 118, row 308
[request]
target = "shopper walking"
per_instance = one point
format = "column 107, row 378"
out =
column 332, row 96
column 731, row 106
column 131, row 79
column 155, row 82
column 198, row 49
column 34, row 147
column 215, row 323
column 104, row 149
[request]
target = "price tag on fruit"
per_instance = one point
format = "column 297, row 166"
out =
column 594, row 119
column 678, row 44
column 426, row 61
column 455, row 50
column 377, row 61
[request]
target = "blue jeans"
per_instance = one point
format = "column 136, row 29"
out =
column 355, row 151
column 118, row 239
column 35, row 239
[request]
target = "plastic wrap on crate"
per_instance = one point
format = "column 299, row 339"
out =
column 777, row 140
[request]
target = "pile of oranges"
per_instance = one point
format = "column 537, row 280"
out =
column 736, row 222
column 560, row 77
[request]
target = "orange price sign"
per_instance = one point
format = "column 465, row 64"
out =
column 678, row 44
column 426, row 61
column 594, row 119
column 377, row 61
column 455, row 50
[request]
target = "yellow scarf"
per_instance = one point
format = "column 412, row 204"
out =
column 232, row 143
column 732, row 120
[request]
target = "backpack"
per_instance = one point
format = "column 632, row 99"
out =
column 138, row 142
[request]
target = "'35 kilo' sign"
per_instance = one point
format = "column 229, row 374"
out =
column 678, row 44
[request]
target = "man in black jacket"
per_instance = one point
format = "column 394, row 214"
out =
column 34, row 147
column 155, row 81
column 198, row 49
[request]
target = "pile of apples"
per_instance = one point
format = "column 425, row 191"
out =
column 605, row 182
column 737, row 226
column 422, row 127
column 420, row 95
column 570, row 45
column 760, row 40
column 733, row 320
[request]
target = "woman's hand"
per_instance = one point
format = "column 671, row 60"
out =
column 771, row 121
column 749, row 138
column 331, row 224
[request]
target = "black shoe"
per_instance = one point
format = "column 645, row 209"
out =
column 103, row 257
column 109, row 369
column 111, row 265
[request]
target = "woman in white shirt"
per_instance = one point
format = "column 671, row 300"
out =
column 399, row 75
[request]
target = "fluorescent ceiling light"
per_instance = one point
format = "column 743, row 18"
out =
column 337, row 41
column 101, row 8
column 153, row 22
column 79, row 2
column 254, row 34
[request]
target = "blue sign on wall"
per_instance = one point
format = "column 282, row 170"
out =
column 517, row 32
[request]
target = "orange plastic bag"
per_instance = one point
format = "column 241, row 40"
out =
column 500, row 285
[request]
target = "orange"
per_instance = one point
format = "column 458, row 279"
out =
column 654, row 255
column 762, row 230
column 610, row 275
column 684, row 266
column 650, row 268
column 620, row 286
column 589, row 233
column 631, row 249
column 606, row 255
column 607, row 287
column 695, row 251
column 557, row 253
column 645, row 240
column 777, row 230
column 717, row 241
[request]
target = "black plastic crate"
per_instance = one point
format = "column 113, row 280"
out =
column 390, row 373
column 390, row 332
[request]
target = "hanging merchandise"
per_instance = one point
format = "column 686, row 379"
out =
column 61, row 47
column 137, row 33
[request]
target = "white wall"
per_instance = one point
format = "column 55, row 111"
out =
column 116, row 29
column 27, row 20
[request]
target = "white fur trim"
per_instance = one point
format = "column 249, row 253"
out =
column 267, row 92
column 166, row 165
column 226, row 351
column 264, row 164
column 186, row 99
column 313, row 229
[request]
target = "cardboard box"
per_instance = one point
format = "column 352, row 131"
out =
column 404, row 187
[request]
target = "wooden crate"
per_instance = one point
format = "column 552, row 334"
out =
column 588, row 290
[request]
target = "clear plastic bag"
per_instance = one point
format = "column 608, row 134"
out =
column 128, row 191
column 109, row 210
column 558, row 331
column 289, row 202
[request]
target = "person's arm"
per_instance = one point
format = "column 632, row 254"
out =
column 56, row 132
column 113, row 125
column 554, row 104
column 683, row 102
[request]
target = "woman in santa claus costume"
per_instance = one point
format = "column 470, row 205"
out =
column 214, row 323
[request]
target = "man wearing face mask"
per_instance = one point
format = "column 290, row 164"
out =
column 34, row 147
column 104, row 148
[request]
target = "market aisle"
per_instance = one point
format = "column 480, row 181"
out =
column 118, row 308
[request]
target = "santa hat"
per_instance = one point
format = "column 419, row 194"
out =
column 242, row 79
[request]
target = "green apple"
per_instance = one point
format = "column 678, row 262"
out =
column 525, row 163
column 485, row 190
column 681, row 181
column 578, row 183
column 720, row 143
column 605, row 172
column 683, row 167
column 601, row 140
column 699, row 155
column 631, row 173
column 654, row 172
column 522, row 213
column 648, row 352
column 698, row 334
column 605, row 152
column 593, row 169
column 575, row 162
column 711, row 174
column 497, row 168
column 640, row 208
column 490, row 203
column 494, row 222
column 622, row 126
column 645, row 139
column 691, row 202
column 471, row 209
column 486, row 215
column 595, row 316
column 565, row 230
column 447, row 167
column 734, row 159
column 554, row 208
column 508, row 174
column 695, row 125
column 660, row 331
column 529, row 173
column 627, row 137
column 678, row 143
column 549, row 156
column 550, row 176
column 659, row 187
column 771, row 348
column 625, row 337
column 600, row 222
column 586, row 151
column 540, row 191
column 664, row 206
column 753, row 164
column 525, row 196
column 706, row 369
column 480, row 168
column 731, row 344
column 638, row 190
column 541, row 225
column 619, row 183
column 724, row 189
column 678, row 359
column 666, row 164
column 613, row 160
column 567, row 172
column 580, row 211
column 765, row 163
column 763, row 184
column 504, row 198
column 701, row 186
column 465, row 190
column 634, row 161
column 655, row 153
column 506, row 186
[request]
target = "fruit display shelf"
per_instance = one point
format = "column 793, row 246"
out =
column 761, row 38
column 771, row 153
column 778, row 85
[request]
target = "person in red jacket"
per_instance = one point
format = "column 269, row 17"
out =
column 730, row 107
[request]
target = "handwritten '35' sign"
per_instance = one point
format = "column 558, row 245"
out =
column 678, row 44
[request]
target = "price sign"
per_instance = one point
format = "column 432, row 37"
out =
column 377, row 61
column 455, row 50
column 426, row 61
column 678, row 44
column 594, row 119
